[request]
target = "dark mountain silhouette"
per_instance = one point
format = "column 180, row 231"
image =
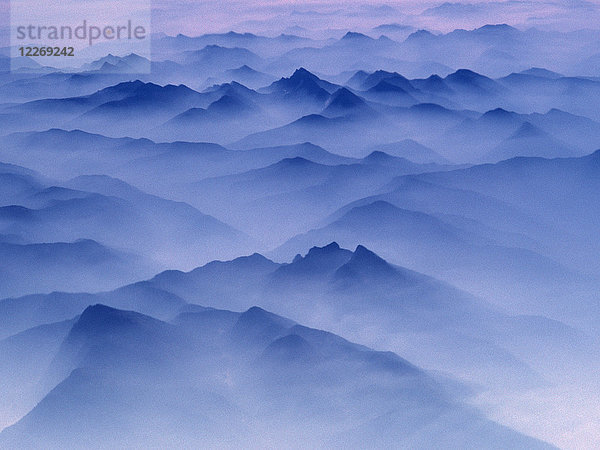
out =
column 302, row 85
column 344, row 102
column 107, row 349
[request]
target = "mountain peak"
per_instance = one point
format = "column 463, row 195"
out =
column 296, row 161
column 101, row 319
column 260, row 326
column 301, row 86
column 352, row 35
column 345, row 96
column 333, row 246
column 318, row 260
column 362, row 255
column 365, row 263
column 391, row 78
column 290, row 348
column 256, row 315
column 302, row 73
column 541, row 73
column 230, row 104
column 465, row 74
column 328, row 249
column 253, row 260
column 344, row 100
column 380, row 157
column 313, row 120
column 245, row 69
column 499, row 115
column 496, row 28
column 420, row 34
column 527, row 130
column 385, row 86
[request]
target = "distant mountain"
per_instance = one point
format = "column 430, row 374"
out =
column 347, row 135
column 302, row 86
column 52, row 151
column 104, row 208
column 563, row 184
column 249, row 77
column 57, row 85
column 390, row 94
column 541, row 72
column 391, row 78
column 542, row 181
column 73, row 266
column 434, row 83
column 383, row 159
column 190, row 162
column 471, row 139
column 131, row 63
column 542, row 93
column 315, row 189
column 199, row 122
column 579, row 132
column 357, row 79
column 16, row 183
column 354, row 36
column 558, row 134
column 344, row 102
column 262, row 45
column 393, row 27
column 163, row 220
column 529, row 140
column 420, row 36
column 215, row 58
column 467, row 80
column 154, row 102
column 412, row 151
column 92, row 112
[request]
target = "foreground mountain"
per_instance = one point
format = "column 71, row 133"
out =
column 233, row 384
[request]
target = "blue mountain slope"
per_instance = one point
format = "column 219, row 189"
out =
column 344, row 102
column 530, row 140
column 102, row 208
column 413, row 151
column 14, row 187
column 301, row 86
column 107, row 348
column 214, row 56
column 248, row 76
column 336, row 283
column 74, row 266
column 429, row 244
column 390, row 78
column 25, row 358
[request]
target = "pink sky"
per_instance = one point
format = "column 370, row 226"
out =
column 274, row 16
